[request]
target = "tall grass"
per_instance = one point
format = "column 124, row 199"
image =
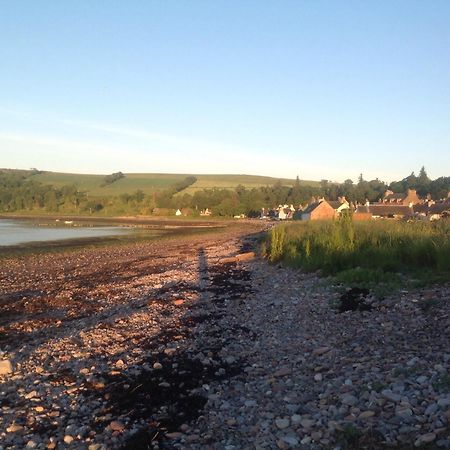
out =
column 381, row 246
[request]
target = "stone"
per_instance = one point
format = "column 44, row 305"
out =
column 282, row 423
column 366, row 415
column 290, row 440
column 5, row 367
column 307, row 423
column 31, row 394
column 425, row 439
column 14, row 428
column 296, row 419
column 318, row 377
column 320, row 351
column 116, row 425
column 391, row 396
column 157, row 366
column 349, row 400
column 282, row 372
column 68, row 439
column 174, row 435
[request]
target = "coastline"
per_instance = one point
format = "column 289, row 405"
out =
column 195, row 343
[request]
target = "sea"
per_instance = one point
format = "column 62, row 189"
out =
column 15, row 232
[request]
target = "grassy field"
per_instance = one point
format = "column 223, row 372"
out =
column 149, row 183
column 94, row 184
column 232, row 181
column 365, row 252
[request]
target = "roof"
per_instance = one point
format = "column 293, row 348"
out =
column 388, row 210
column 336, row 203
column 399, row 196
column 311, row 207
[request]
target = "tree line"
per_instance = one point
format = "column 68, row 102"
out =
column 20, row 192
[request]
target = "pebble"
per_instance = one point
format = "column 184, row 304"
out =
column 282, row 423
column 305, row 372
column 5, row 367
column 116, row 425
column 68, row 439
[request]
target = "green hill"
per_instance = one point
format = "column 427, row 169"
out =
column 150, row 182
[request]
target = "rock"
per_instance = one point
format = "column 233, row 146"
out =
column 389, row 395
column 5, row 367
column 31, row 394
column 282, row 372
column 422, row 379
column 290, row 440
column 425, row 439
column 178, row 302
column 431, row 409
column 116, row 425
column 296, row 419
column 31, row 444
column 444, row 402
column 307, row 423
column 170, row 351
column 320, row 351
column 14, row 428
column 174, row 435
column 281, row 423
column 366, row 415
column 68, row 439
column 157, row 366
column 245, row 256
column 318, row 377
column 349, row 400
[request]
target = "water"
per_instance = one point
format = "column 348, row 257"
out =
column 13, row 232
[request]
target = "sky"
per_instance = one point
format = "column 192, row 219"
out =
column 319, row 89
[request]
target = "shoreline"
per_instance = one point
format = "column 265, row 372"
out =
column 194, row 343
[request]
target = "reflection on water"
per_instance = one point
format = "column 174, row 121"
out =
column 13, row 232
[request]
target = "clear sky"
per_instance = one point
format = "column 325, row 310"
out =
column 322, row 89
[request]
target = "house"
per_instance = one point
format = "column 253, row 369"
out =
column 381, row 210
column 321, row 210
column 339, row 205
column 432, row 211
column 408, row 199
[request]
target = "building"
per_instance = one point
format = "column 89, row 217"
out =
column 321, row 210
column 409, row 199
column 339, row 205
column 381, row 210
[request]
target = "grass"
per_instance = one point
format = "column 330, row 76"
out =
column 151, row 182
column 374, row 253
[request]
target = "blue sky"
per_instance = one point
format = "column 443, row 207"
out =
column 322, row 89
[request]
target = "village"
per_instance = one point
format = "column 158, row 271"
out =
column 391, row 206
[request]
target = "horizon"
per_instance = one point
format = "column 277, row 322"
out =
column 261, row 89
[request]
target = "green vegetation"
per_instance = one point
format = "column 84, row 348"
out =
column 37, row 192
column 364, row 252
column 109, row 179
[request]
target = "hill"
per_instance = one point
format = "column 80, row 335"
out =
column 152, row 182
